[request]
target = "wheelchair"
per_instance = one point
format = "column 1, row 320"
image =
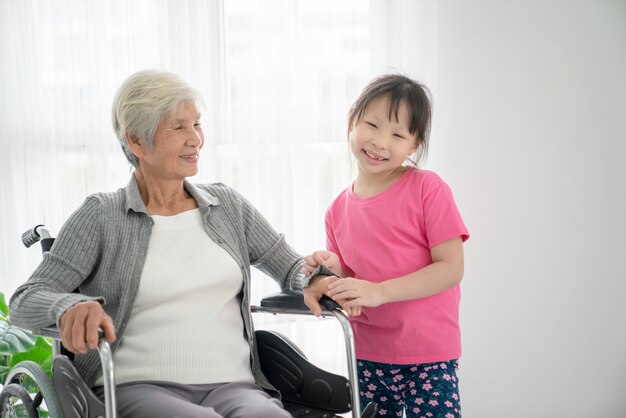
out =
column 306, row 390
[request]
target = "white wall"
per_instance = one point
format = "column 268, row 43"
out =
column 530, row 132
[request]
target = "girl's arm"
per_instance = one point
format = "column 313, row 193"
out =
column 325, row 258
column 445, row 272
column 317, row 286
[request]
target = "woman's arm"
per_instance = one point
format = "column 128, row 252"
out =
column 267, row 249
column 47, row 294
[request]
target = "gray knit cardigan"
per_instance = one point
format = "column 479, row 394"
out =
column 101, row 250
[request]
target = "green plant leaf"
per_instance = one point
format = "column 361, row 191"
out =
column 20, row 411
column 40, row 353
column 14, row 340
column 3, row 372
column 16, row 345
column 3, row 306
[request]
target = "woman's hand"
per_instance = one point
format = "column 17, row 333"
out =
column 316, row 289
column 80, row 324
column 354, row 293
column 325, row 258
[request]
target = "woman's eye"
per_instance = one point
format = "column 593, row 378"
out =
column 399, row 136
column 371, row 124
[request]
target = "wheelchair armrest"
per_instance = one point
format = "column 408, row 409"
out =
column 50, row 332
column 55, row 333
column 293, row 300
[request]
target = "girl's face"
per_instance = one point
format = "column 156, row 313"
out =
column 176, row 145
column 381, row 145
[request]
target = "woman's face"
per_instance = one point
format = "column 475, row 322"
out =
column 176, row 145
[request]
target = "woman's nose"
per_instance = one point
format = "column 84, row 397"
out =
column 196, row 138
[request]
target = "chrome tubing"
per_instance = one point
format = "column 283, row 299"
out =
column 348, row 335
column 106, row 358
column 351, row 356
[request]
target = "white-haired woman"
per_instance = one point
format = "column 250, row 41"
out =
column 163, row 266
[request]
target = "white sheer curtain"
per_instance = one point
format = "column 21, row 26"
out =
column 61, row 64
column 277, row 76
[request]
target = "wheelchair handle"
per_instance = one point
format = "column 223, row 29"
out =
column 38, row 234
column 35, row 234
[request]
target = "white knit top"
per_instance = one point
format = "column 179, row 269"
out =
column 186, row 324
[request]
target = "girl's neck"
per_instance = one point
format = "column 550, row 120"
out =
column 164, row 197
column 367, row 185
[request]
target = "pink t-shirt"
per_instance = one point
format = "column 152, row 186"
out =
column 388, row 236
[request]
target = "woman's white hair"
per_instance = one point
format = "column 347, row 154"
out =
column 143, row 100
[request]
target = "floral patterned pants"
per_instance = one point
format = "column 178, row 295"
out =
column 428, row 390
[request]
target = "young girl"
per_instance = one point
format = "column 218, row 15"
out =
column 395, row 257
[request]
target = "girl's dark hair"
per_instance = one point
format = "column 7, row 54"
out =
column 400, row 89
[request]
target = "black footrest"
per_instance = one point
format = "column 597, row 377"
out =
column 299, row 381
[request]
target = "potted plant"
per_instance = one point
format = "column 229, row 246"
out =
column 33, row 357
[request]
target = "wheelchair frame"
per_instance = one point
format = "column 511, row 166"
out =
column 289, row 302
column 284, row 303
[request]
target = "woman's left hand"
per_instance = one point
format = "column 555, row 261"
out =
column 355, row 293
column 316, row 289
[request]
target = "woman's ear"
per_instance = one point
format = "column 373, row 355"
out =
column 135, row 144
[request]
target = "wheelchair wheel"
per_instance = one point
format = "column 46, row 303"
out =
column 15, row 399
column 16, row 402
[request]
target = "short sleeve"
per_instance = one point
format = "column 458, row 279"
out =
column 442, row 219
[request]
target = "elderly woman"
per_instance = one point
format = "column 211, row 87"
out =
column 163, row 266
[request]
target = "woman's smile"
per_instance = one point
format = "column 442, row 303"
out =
column 191, row 158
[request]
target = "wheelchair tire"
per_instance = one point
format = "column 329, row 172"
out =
column 46, row 390
column 12, row 392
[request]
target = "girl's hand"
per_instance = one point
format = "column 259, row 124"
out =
column 351, row 310
column 352, row 293
column 325, row 258
column 318, row 288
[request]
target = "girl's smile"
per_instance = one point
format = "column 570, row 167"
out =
column 374, row 156
column 381, row 142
